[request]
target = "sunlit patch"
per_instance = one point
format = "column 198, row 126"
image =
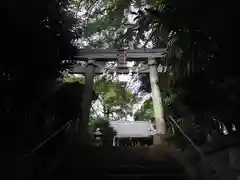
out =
column 124, row 77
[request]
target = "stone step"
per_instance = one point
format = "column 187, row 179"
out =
column 129, row 172
column 93, row 162
column 142, row 175
column 140, row 165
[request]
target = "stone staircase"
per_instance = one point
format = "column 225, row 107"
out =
column 114, row 163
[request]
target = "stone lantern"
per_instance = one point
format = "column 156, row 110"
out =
column 97, row 137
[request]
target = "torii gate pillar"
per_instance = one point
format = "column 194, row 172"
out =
column 157, row 102
column 87, row 100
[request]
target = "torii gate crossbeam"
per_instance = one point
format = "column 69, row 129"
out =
column 112, row 55
column 99, row 55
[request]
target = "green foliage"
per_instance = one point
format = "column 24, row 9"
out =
column 145, row 113
column 203, row 74
column 72, row 78
column 36, row 39
column 115, row 98
column 67, row 100
column 108, row 22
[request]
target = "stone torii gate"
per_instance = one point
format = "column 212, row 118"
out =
column 96, row 59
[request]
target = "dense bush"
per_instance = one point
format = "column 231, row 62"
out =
column 35, row 40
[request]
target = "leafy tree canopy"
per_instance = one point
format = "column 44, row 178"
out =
column 145, row 113
column 115, row 100
column 203, row 72
column 36, row 42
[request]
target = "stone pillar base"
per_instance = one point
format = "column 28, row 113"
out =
column 158, row 139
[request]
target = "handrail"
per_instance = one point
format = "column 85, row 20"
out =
column 48, row 138
column 187, row 137
column 197, row 149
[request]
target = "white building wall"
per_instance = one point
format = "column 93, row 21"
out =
column 133, row 128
